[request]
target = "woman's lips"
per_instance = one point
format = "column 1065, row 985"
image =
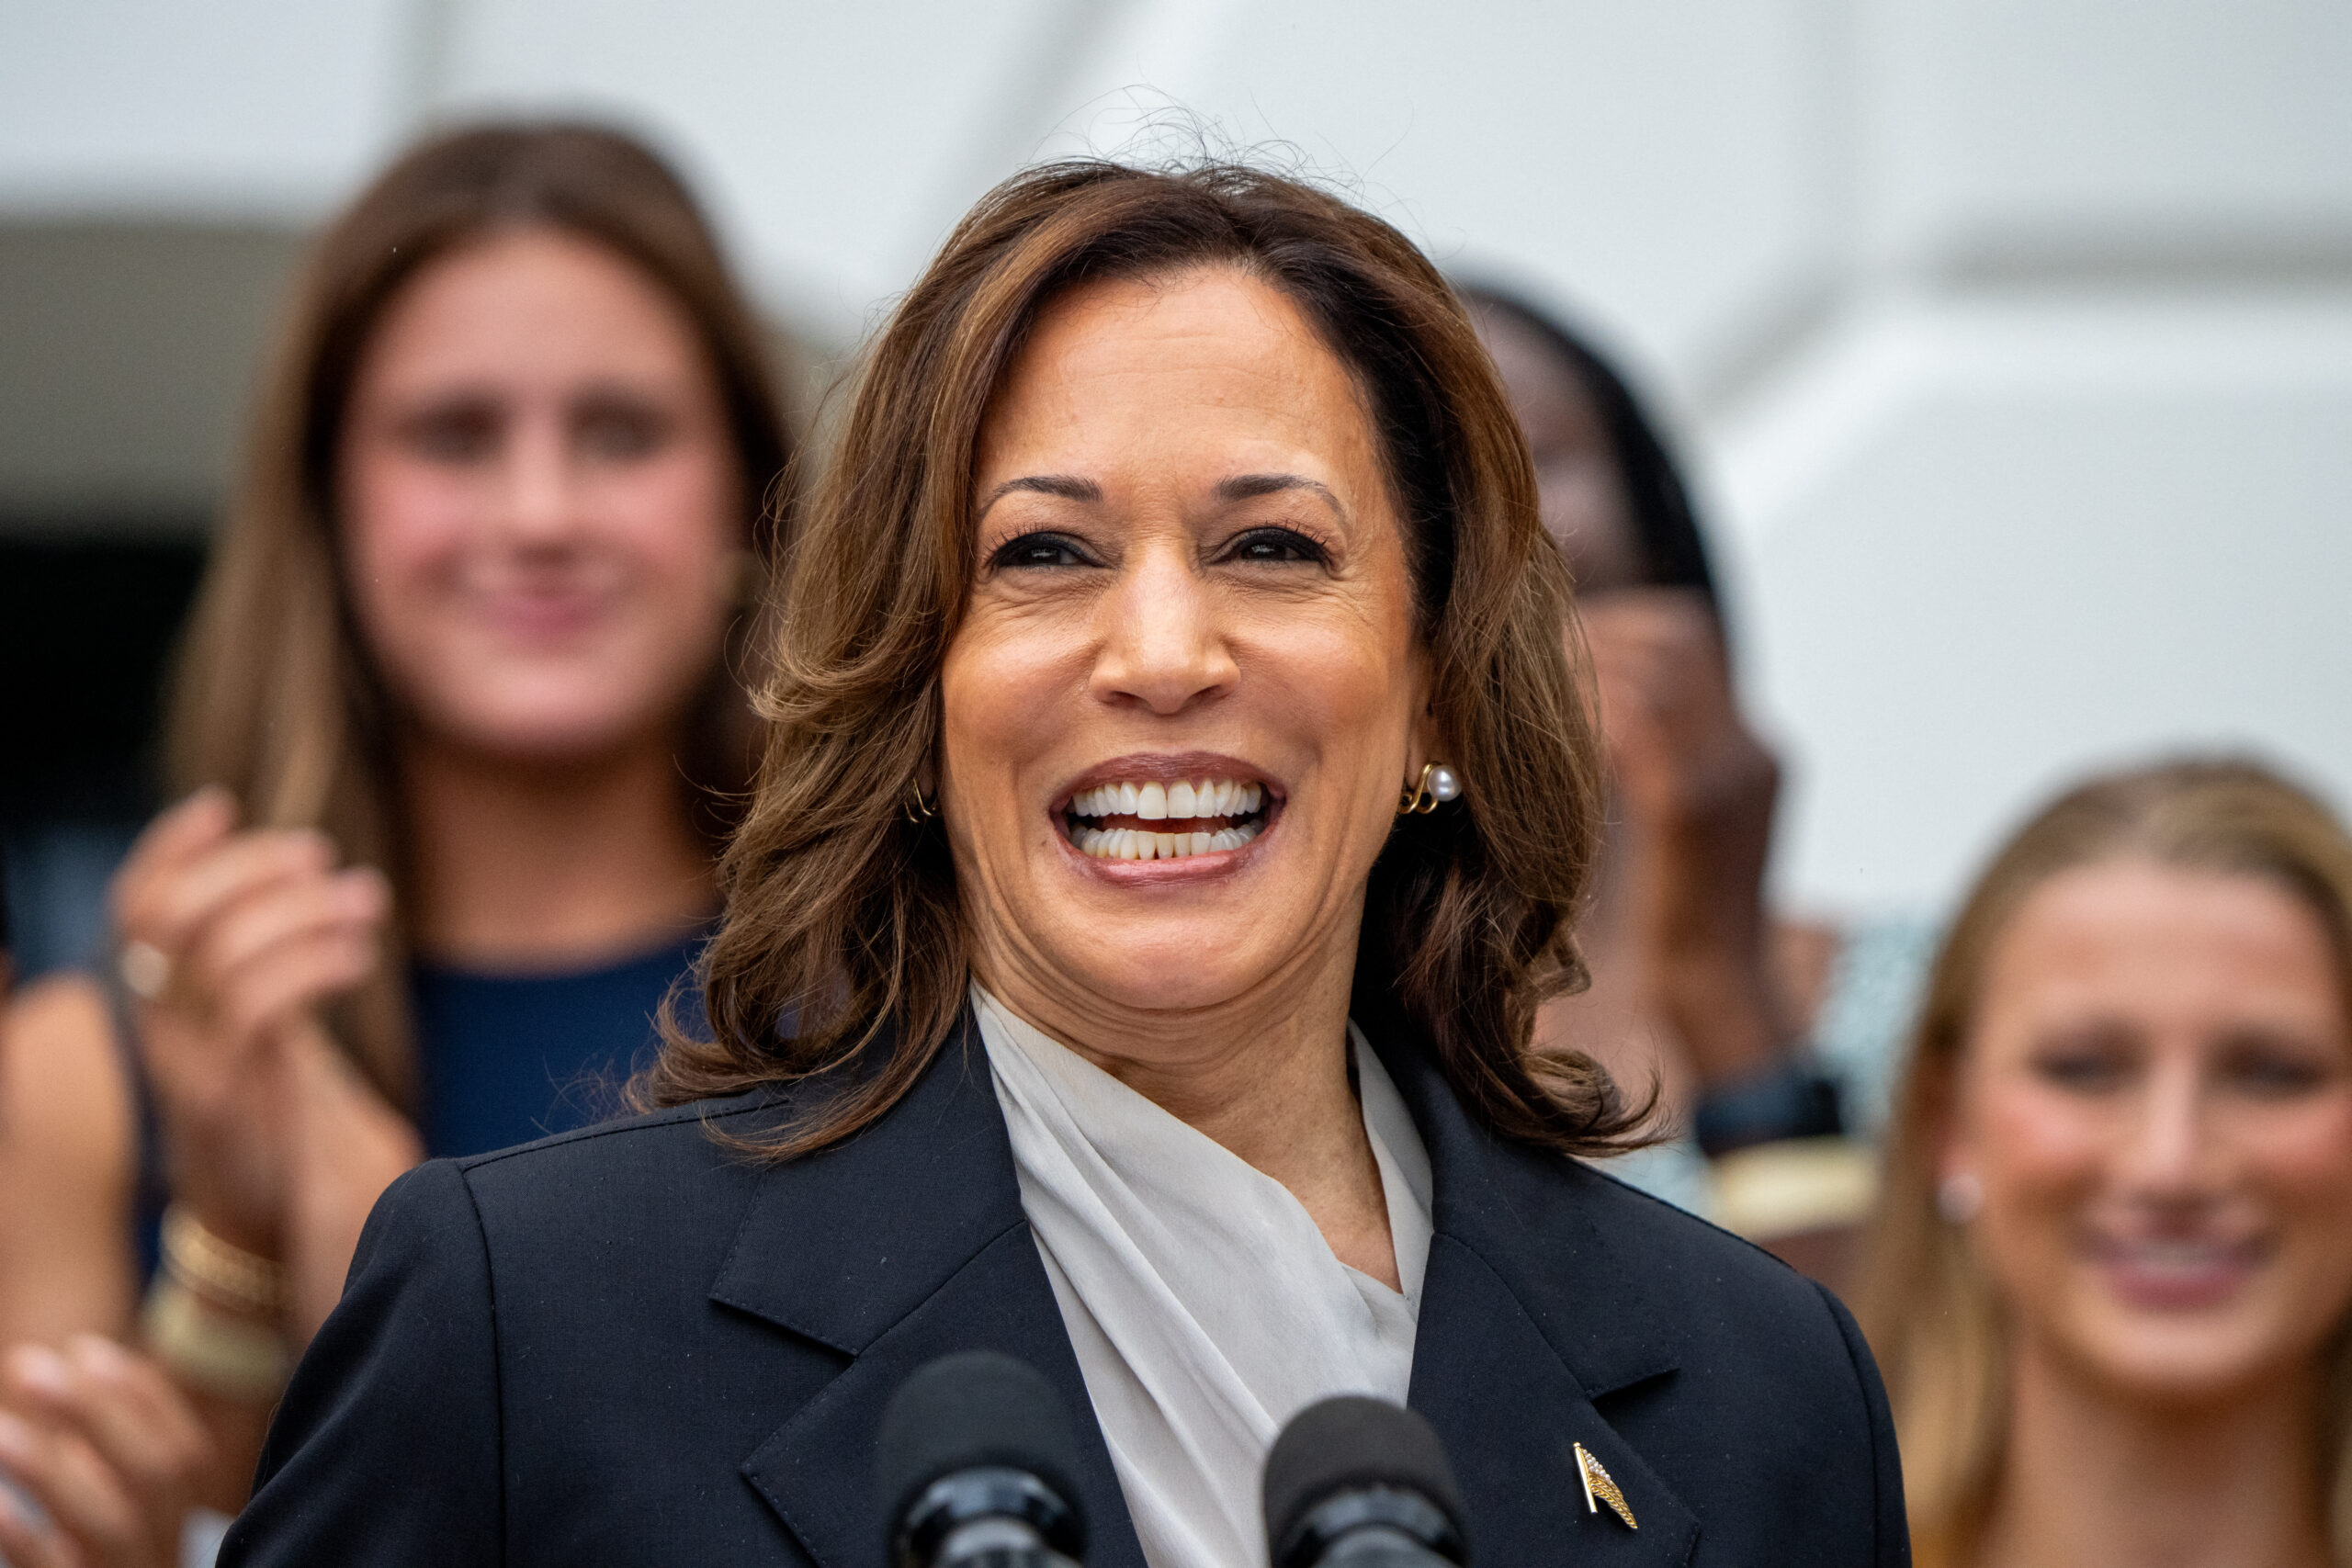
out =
column 2174, row 1274
column 1162, row 812
column 527, row 616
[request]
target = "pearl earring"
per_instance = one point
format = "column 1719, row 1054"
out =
column 1959, row 1198
column 1437, row 785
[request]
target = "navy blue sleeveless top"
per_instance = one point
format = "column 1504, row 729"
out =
column 505, row 1058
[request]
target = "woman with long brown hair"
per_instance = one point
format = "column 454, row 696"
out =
column 2111, row 1272
column 1176, row 798
column 458, row 713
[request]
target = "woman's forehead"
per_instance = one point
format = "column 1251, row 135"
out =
column 1210, row 365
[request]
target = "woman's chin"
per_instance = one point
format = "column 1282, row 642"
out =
column 1162, row 980
column 2185, row 1358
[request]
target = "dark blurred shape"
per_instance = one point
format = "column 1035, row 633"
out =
column 1360, row 1481
column 974, row 1465
column 86, row 628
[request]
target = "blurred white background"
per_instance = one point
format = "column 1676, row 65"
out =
column 2011, row 339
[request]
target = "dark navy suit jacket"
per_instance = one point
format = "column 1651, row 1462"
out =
column 630, row 1345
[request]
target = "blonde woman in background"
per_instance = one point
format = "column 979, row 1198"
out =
column 456, row 712
column 2112, row 1269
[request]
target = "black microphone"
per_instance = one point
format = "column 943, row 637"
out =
column 1364, row 1483
column 972, row 1469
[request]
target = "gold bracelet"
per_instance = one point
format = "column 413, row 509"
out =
column 230, row 1277
column 232, row 1356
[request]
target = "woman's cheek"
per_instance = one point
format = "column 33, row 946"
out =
column 2038, row 1156
column 405, row 549
column 678, row 517
column 675, row 524
column 2043, row 1146
column 2303, row 1158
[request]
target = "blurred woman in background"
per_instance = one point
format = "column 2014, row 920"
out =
column 2111, row 1276
column 1695, row 985
column 457, row 709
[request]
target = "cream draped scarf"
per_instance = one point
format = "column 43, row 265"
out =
column 1205, row 1306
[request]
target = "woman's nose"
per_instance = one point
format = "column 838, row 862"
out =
column 1162, row 644
column 2167, row 1151
column 539, row 492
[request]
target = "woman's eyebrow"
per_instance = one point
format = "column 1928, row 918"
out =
column 1070, row 487
column 1248, row 487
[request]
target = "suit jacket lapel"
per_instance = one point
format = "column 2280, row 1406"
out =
column 1526, row 1319
column 904, row 1243
column 908, row 1241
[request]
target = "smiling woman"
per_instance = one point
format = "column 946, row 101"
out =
column 1175, row 803
column 460, row 736
column 2112, row 1271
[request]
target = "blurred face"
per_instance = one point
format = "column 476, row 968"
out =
column 539, row 500
column 1578, row 487
column 1185, row 694
column 2158, row 1101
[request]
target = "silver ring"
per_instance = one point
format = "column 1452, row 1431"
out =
column 145, row 969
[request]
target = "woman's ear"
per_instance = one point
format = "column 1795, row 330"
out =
column 1960, row 1192
column 1424, row 741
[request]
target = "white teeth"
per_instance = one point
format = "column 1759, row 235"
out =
column 1185, row 802
column 1135, row 843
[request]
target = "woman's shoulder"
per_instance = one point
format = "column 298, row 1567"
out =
column 544, row 1205
column 1597, row 1260
column 633, row 1153
column 1694, row 1267
column 69, row 1162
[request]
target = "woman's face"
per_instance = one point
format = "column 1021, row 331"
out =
column 2156, row 1098
column 1578, row 487
column 539, row 499
column 1186, row 689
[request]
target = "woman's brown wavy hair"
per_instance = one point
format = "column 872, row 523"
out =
column 1928, row 1306
column 842, row 941
column 276, row 695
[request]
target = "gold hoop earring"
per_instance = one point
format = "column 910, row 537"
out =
column 1437, row 785
column 916, row 809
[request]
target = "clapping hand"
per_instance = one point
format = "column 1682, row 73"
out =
column 233, row 940
column 101, row 1439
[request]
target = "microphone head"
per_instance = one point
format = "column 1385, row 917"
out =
column 976, row 1410
column 1354, row 1444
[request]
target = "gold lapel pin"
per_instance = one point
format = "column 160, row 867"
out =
column 1596, row 1484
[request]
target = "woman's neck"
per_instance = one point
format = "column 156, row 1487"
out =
column 529, row 866
column 2092, row 1480
column 1265, row 1077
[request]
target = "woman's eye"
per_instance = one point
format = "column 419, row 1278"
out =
column 2270, row 1070
column 1276, row 546
column 461, row 433
column 1039, row 551
column 2082, row 1072
column 619, row 432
